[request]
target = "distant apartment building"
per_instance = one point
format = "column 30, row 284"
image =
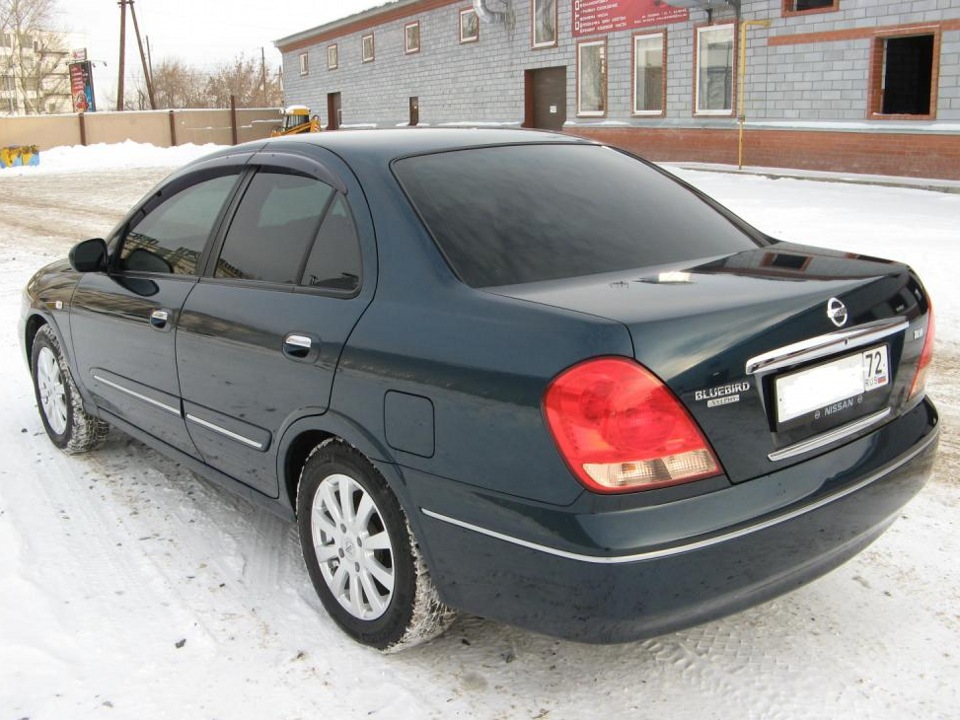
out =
column 849, row 85
column 34, row 73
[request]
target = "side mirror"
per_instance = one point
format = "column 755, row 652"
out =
column 89, row 256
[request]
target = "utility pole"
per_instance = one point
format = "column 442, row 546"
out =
column 146, row 39
column 143, row 57
column 263, row 74
column 123, row 46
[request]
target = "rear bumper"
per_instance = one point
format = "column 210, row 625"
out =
column 600, row 571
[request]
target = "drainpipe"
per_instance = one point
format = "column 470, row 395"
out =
column 744, row 25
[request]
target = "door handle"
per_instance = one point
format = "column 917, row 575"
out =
column 159, row 319
column 298, row 346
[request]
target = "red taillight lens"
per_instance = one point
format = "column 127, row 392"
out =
column 619, row 428
column 926, row 356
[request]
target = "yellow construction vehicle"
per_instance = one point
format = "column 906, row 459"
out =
column 296, row 120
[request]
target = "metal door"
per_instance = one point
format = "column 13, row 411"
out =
column 546, row 91
column 334, row 113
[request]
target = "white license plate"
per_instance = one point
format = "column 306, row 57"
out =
column 823, row 389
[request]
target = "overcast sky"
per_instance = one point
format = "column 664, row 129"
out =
column 201, row 32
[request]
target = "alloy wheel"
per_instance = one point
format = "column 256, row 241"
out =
column 353, row 547
column 53, row 393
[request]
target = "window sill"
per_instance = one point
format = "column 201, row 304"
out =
column 900, row 117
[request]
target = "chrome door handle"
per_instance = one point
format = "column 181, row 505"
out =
column 159, row 319
column 299, row 347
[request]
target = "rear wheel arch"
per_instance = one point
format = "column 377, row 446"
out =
column 301, row 438
column 361, row 552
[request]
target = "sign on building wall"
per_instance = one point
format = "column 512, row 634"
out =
column 593, row 17
column 81, row 87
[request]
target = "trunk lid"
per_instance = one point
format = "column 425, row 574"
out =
column 746, row 343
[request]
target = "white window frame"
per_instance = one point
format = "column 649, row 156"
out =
column 533, row 26
column 474, row 38
column 606, row 90
column 662, row 35
column 706, row 29
column 407, row 49
column 305, row 63
column 333, row 57
column 363, row 48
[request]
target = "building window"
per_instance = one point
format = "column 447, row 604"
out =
column 469, row 25
column 792, row 7
column 366, row 48
column 304, row 63
column 649, row 78
column 411, row 37
column 333, row 57
column 714, row 67
column 592, row 78
column 904, row 76
column 544, row 23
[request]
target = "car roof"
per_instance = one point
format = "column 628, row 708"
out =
column 387, row 144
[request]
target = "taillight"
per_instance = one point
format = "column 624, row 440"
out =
column 926, row 356
column 619, row 428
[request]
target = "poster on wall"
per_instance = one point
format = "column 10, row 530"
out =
column 595, row 17
column 81, row 87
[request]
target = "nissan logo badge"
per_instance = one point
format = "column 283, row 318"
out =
column 837, row 312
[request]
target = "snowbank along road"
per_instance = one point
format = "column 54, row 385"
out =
column 133, row 589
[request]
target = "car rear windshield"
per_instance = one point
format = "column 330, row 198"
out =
column 519, row 214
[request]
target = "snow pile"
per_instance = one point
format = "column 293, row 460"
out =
column 129, row 154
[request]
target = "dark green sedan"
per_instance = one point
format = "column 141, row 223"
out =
column 514, row 373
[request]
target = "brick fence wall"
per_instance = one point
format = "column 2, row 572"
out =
column 157, row 127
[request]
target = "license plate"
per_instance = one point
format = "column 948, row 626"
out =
column 833, row 386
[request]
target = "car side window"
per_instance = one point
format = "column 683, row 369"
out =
column 170, row 237
column 271, row 232
column 334, row 261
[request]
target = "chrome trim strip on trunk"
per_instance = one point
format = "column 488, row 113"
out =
column 824, row 345
column 830, row 436
column 699, row 544
column 138, row 396
column 227, row 433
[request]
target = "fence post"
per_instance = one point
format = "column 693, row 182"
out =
column 83, row 128
column 173, row 130
column 233, row 118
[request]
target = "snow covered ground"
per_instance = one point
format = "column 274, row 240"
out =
column 130, row 588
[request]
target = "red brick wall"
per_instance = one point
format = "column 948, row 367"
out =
column 915, row 155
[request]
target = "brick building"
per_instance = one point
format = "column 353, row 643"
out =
column 850, row 85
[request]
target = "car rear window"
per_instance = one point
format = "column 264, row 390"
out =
column 519, row 214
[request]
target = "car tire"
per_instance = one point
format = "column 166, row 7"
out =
column 68, row 425
column 361, row 554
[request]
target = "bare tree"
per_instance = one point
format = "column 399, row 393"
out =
column 33, row 57
column 243, row 78
column 177, row 85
